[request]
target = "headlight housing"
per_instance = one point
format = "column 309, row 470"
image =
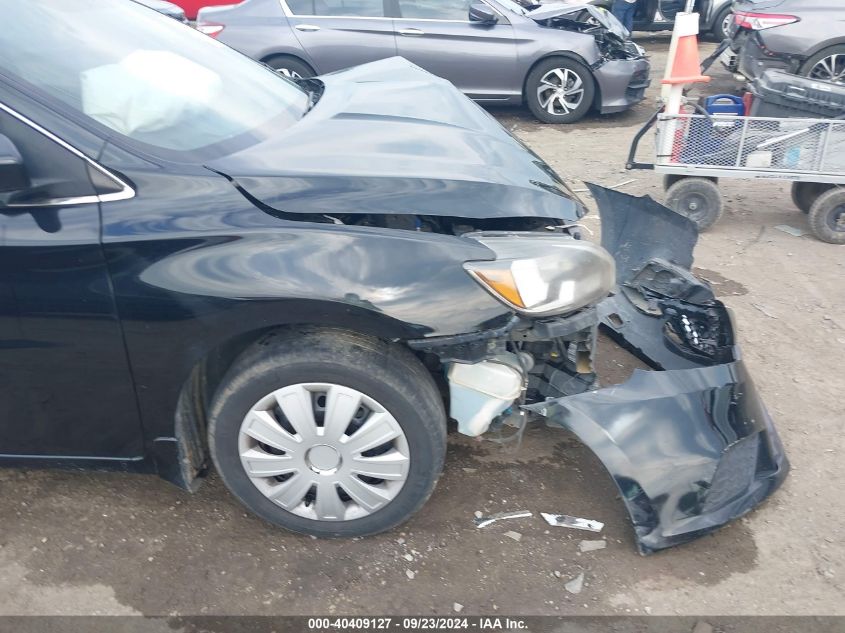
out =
column 540, row 274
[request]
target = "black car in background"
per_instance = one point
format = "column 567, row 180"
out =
column 205, row 263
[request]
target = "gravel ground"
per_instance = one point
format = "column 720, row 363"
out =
column 87, row 543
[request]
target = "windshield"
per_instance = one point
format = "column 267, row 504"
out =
column 143, row 75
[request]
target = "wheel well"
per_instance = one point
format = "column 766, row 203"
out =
column 715, row 17
column 191, row 419
column 297, row 58
column 822, row 49
column 567, row 55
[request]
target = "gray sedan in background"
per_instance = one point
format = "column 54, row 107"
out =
column 560, row 60
column 805, row 37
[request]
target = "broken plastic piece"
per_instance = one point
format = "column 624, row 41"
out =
column 563, row 520
column 499, row 516
column 791, row 230
column 575, row 585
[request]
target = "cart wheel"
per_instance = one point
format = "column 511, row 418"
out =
column 698, row 199
column 804, row 194
column 827, row 217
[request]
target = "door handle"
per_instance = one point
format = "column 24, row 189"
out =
column 306, row 27
column 410, row 32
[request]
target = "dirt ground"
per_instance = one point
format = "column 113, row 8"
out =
column 75, row 543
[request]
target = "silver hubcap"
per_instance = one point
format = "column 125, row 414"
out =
column 561, row 91
column 324, row 451
column 830, row 68
column 726, row 23
column 290, row 74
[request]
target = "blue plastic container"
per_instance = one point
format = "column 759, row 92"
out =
column 725, row 104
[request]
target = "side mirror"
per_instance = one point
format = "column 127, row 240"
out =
column 12, row 171
column 482, row 13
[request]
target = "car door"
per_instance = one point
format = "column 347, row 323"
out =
column 339, row 34
column 479, row 59
column 65, row 386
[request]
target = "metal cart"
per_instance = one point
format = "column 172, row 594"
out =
column 695, row 150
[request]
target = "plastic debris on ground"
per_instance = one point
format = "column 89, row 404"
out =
column 516, row 536
column 592, row 546
column 482, row 521
column 576, row 523
column 575, row 585
column 791, row 230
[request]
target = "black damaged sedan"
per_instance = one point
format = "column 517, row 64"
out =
column 206, row 265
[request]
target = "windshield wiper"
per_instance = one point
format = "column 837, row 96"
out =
column 314, row 88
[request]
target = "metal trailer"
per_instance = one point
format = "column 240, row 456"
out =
column 694, row 151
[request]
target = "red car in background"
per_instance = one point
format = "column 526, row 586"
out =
column 191, row 7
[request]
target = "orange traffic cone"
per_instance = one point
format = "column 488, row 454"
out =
column 687, row 66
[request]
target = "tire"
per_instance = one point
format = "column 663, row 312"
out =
column 698, row 199
column 816, row 67
column 393, row 385
column 827, row 216
column 720, row 23
column 671, row 179
column 804, row 194
column 290, row 67
column 560, row 71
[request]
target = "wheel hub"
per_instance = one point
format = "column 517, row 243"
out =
column 838, row 219
column 561, row 91
column 323, row 459
column 324, row 451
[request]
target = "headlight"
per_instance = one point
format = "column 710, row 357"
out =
column 541, row 274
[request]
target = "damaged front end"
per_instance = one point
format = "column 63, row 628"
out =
column 612, row 39
column 689, row 443
column 620, row 66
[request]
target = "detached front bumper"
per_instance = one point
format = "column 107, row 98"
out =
column 689, row 449
column 622, row 83
column 690, row 445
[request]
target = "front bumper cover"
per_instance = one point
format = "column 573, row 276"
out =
column 690, row 445
column 622, row 83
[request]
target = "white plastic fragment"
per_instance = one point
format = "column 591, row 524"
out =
column 458, row 607
column 576, row 523
column 790, row 230
column 516, row 536
column 410, row 574
column 482, row 521
column 624, row 183
column 592, row 546
column 575, row 585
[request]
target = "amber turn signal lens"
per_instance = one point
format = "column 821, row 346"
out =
column 502, row 283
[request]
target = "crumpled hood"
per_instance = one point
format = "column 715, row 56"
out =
column 390, row 138
column 604, row 17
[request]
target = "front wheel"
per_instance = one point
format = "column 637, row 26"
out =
column 722, row 23
column 827, row 217
column 559, row 90
column 329, row 433
column 698, row 199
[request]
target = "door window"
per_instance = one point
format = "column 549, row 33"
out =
column 339, row 8
column 53, row 172
column 452, row 10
